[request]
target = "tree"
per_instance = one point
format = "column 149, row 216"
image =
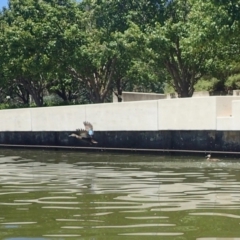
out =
column 32, row 36
column 136, row 71
column 95, row 61
column 172, row 46
column 110, row 51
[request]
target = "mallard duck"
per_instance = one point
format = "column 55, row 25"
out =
column 85, row 135
column 212, row 159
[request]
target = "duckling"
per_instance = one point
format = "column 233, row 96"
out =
column 212, row 159
column 85, row 135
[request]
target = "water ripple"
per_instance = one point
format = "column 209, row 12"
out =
column 61, row 195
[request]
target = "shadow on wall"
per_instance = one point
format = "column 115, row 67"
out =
column 178, row 140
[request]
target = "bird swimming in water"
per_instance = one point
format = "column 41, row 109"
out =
column 212, row 159
column 85, row 135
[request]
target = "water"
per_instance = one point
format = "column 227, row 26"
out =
column 74, row 195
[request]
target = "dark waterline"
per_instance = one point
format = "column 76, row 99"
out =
column 95, row 196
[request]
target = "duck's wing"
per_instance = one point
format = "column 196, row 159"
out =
column 88, row 126
column 82, row 133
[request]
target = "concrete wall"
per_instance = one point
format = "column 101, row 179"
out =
column 138, row 96
column 57, row 118
column 235, row 115
column 127, row 116
column 228, row 117
column 200, row 113
column 224, row 123
column 15, row 119
column 201, row 94
column 236, row 92
column 224, row 105
column 187, row 114
column 203, row 113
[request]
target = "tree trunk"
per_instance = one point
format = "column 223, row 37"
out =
column 183, row 81
column 98, row 81
column 184, row 93
column 186, row 88
column 97, row 98
column 184, row 75
column 23, row 94
column 118, row 93
column 62, row 94
column 37, row 98
column 35, row 92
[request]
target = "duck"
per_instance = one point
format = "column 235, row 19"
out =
column 212, row 159
column 85, row 134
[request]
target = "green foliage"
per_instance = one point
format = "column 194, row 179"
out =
column 206, row 84
column 168, row 88
column 177, row 45
column 83, row 51
column 233, row 81
column 11, row 104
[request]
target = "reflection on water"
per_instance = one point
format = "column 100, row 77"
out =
column 74, row 195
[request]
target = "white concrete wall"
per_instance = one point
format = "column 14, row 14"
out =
column 62, row 118
column 203, row 113
column 224, row 123
column 187, row 114
column 123, row 116
column 236, row 92
column 15, row 120
column 224, row 105
column 139, row 96
column 236, row 115
column 201, row 94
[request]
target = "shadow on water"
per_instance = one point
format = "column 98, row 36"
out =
column 95, row 196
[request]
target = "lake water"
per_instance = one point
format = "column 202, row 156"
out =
column 103, row 196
